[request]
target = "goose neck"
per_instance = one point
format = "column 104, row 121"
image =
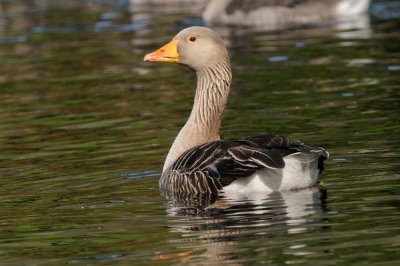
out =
column 203, row 125
column 213, row 84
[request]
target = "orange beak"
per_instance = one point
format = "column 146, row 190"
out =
column 167, row 53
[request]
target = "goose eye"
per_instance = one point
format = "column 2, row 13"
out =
column 192, row 39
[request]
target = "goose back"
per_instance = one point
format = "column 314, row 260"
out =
column 209, row 167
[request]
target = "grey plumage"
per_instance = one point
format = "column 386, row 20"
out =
column 199, row 162
column 209, row 167
column 280, row 14
column 249, row 5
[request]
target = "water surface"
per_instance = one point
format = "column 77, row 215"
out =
column 85, row 126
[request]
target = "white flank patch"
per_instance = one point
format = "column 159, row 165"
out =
column 300, row 171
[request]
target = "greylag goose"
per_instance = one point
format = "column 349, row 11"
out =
column 198, row 161
column 276, row 14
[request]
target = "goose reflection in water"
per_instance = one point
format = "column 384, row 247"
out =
column 214, row 225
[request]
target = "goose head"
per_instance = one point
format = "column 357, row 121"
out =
column 196, row 47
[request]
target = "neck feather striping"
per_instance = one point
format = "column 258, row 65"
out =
column 213, row 84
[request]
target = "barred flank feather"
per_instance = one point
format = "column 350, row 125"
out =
column 209, row 167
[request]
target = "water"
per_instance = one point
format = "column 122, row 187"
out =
column 85, row 126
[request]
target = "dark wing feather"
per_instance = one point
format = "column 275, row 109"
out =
column 259, row 157
column 243, row 161
column 285, row 145
column 250, row 5
column 209, row 167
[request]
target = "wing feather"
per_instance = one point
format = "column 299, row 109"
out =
column 209, row 167
column 250, row 5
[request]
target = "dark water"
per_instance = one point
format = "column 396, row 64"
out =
column 85, row 126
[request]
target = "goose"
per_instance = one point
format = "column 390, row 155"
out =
column 276, row 14
column 199, row 162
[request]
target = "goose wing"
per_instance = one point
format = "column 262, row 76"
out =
column 211, row 166
column 286, row 146
column 250, row 5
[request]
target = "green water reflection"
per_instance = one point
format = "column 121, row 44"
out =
column 85, row 126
